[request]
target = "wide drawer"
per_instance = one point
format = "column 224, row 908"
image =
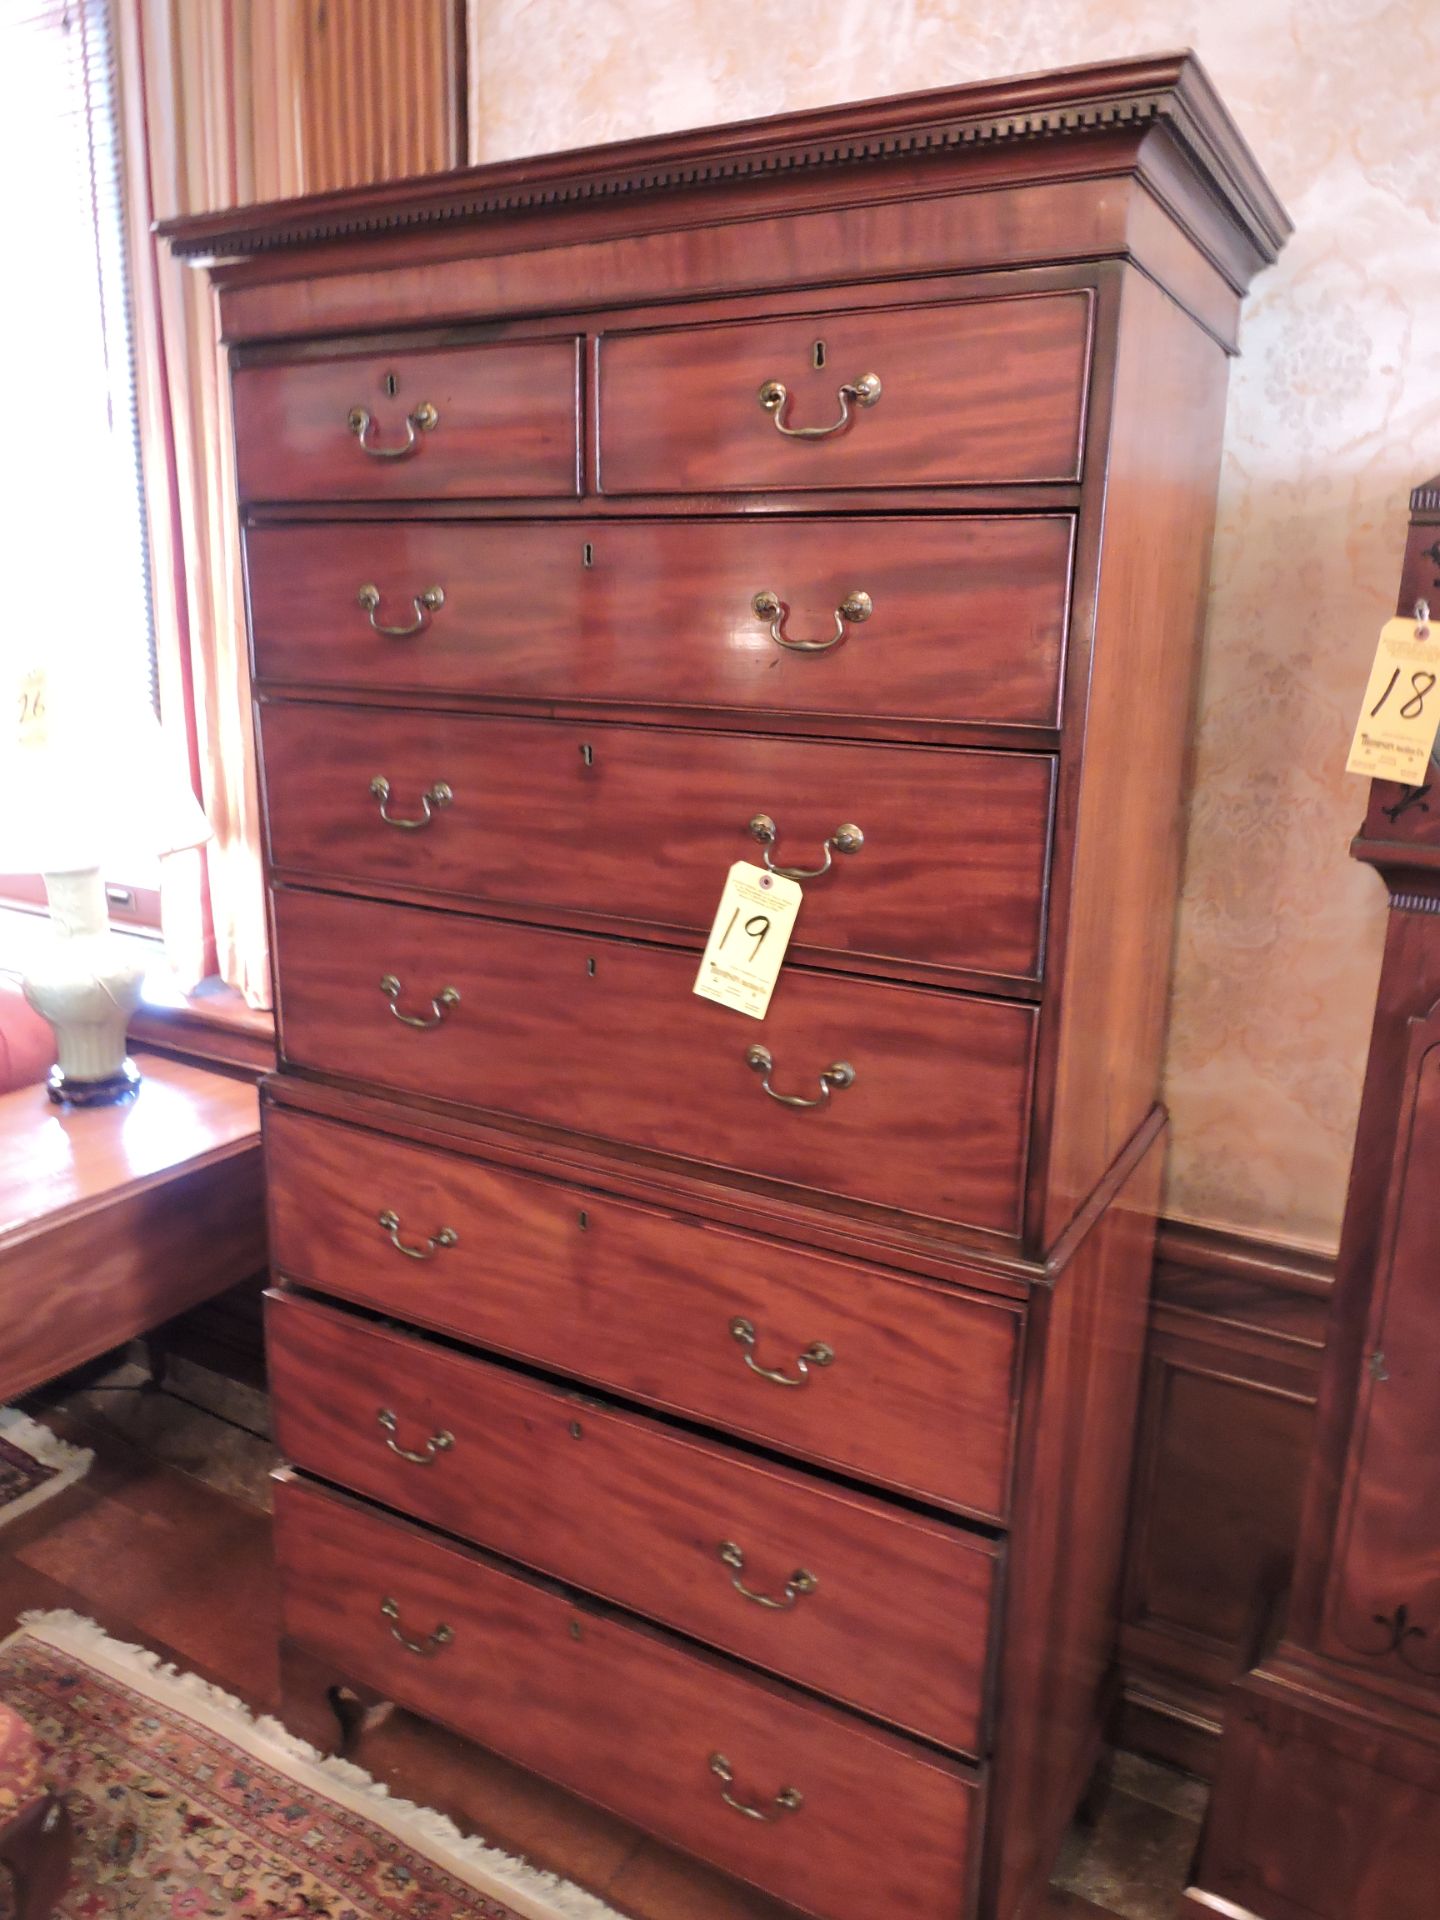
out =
column 868, row 1824
column 918, row 1393
column 872, row 1606
column 952, row 394
column 925, row 1106
column 967, row 620
column 640, row 824
column 499, row 420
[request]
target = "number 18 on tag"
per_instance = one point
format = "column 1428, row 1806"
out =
column 1401, row 711
column 748, row 940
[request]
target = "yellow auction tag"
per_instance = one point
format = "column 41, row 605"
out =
column 34, row 722
column 1401, row 712
column 747, row 943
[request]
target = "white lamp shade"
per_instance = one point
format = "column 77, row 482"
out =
column 88, row 778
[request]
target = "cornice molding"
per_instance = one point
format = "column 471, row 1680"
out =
column 1130, row 95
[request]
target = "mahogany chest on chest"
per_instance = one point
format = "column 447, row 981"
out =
column 729, row 1419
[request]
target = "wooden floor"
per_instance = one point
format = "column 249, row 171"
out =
column 160, row 1559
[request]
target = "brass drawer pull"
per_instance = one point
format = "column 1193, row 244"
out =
column 799, row 1583
column 817, row 1354
column 852, row 611
column 787, row 1800
column 440, row 795
column 427, row 1648
column 443, row 1001
column 863, row 392
column 445, row 1237
column 421, row 420
column 760, row 1060
column 846, row 839
column 437, row 1443
column 426, row 603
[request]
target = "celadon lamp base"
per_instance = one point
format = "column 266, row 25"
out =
column 86, row 983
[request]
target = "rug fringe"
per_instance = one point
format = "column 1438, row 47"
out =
column 70, row 1463
column 538, row 1895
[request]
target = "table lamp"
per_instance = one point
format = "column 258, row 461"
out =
column 84, row 787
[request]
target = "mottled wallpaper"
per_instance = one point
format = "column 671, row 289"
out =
column 1334, row 414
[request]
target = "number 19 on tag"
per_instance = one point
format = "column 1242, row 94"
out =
column 747, row 943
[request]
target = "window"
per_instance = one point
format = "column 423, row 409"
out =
column 75, row 514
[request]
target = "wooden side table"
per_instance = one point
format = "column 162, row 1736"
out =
column 115, row 1219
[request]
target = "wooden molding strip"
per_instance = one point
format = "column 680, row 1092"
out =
column 1243, row 1256
column 1172, row 89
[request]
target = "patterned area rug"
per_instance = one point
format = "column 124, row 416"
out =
column 34, row 1464
column 187, row 1808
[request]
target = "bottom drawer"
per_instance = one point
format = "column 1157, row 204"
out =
column 853, row 1823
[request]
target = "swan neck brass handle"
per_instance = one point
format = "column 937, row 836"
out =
column 787, row 1800
column 445, row 1237
column 799, row 1584
column 863, row 392
column 854, row 609
column 421, row 419
column 426, row 1648
column 426, row 603
column 846, row 839
column 760, row 1060
column 437, row 1443
column 817, row 1354
column 440, row 795
column 440, row 1005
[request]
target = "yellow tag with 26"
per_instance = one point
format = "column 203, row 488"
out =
column 747, row 943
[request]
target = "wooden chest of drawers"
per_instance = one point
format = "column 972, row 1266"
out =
column 729, row 1419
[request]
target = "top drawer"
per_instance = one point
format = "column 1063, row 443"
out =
column 958, row 394
column 489, row 421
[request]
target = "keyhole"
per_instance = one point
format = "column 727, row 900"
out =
column 819, row 353
column 392, row 385
column 590, row 967
column 589, row 553
column 587, row 753
column 584, row 1219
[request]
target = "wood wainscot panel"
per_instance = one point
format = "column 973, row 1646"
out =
column 1237, row 1329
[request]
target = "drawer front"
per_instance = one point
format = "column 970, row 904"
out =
column 604, row 1038
column 967, row 622
column 641, row 824
column 505, row 425
column 918, row 1394
column 969, row 392
column 629, row 1719
column 860, row 1601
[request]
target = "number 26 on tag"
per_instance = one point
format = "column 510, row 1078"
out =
column 747, row 943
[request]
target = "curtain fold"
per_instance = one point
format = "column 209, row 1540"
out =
column 227, row 102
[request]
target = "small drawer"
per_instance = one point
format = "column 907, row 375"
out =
column 872, row 1606
column 911, row 856
column 964, row 619
column 907, row 1384
column 960, row 394
column 850, row 1822
column 493, row 421
column 912, row 1098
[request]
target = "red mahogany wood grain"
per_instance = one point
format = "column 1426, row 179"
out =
column 628, row 1718
column 607, row 1038
column 972, row 391
column 635, row 1511
column 969, row 619
column 507, row 426
column 640, row 825
column 641, row 1302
